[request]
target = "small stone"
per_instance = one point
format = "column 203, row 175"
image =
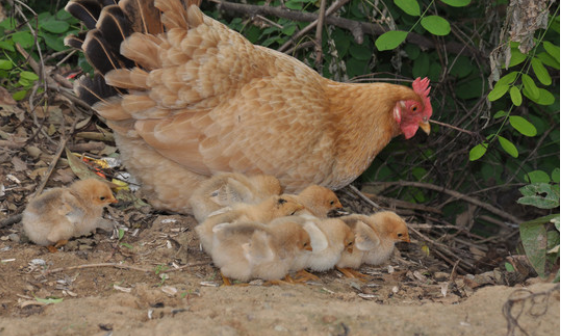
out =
column 14, row 237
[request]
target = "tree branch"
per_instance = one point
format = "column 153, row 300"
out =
column 358, row 29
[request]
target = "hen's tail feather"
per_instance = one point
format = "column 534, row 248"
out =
column 100, row 55
column 92, row 90
column 123, row 35
column 86, row 11
column 144, row 17
column 75, row 41
column 114, row 26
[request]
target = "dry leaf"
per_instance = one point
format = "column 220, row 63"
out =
column 19, row 165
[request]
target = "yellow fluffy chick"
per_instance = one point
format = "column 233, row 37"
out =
column 62, row 213
column 375, row 238
column 320, row 201
column 329, row 238
column 246, row 251
column 227, row 189
column 264, row 212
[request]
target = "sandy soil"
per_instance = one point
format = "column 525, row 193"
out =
column 157, row 282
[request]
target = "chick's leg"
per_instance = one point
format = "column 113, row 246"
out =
column 351, row 273
column 303, row 276
column 60, row 243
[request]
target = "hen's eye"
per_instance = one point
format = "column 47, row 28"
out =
column 414, row 108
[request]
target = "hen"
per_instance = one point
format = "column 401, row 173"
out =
column 187, row 98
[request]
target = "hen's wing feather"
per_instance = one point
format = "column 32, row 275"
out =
column 231, row 106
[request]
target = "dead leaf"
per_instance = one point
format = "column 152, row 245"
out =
column 19, row 165
column 6, row 97
column 79, row 168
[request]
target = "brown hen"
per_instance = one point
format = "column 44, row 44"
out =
column 187, row 98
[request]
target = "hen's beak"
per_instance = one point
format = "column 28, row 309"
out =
column 425, row 126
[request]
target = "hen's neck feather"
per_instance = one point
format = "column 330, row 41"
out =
column 363, row 118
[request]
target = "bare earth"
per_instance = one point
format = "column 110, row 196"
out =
column 150, row 296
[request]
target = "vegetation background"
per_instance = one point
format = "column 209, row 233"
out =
column 490, row 167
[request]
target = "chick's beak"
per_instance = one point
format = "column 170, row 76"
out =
column 350, row 249
column 406, row 239
column 308, row 247
column 114, row 200
column 425, row 126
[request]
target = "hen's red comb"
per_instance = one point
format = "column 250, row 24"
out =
column 422, row 88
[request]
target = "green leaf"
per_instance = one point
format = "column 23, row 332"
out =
column 530, row 86
column 546, row 98
column 7, row 45
column 31, row 76
column 507, row 79
column 55, row 26
column 548, row 60
column 523, row 126
column 19, row 95
column 499, row 114
column 462, row 67
column 24, row 38
column 508, row 147
column 541, row 72
column 509, row 267
column 552, row 50
column 534, row 239
column 390, row 40
column 515, row 96
column 540, row 195
column 478, row 151
column 410, row 7
column 497, row 92
column 360, row 52
column 412, row 51
column 121, row 234
column 555, row 175
column 296, row 5
column 6, row 64
column 436, row 25
column 49, row 300
column 456, row 3
column 537, row 176
column 421, row 66
column 516, row 57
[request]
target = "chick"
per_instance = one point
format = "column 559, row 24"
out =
column 245, row 251
column 329, row 238
column 320, row 201
column 264, row 212
column 375, row 238
column 62, row 213
column 226, row 189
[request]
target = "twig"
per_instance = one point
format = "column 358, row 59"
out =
column 332, row 9
column 121, row 266
column 364, row 198
column 10, row 220
column 186, row 266
column 56, row 157
column 453, row 127
column 455, row 194
column 319, row 27
column 402, row 204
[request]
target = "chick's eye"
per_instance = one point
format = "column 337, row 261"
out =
column 332, row 202
column 102, row 198
column 400, row 234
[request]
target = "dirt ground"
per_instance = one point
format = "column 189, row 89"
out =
column 155, row 281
